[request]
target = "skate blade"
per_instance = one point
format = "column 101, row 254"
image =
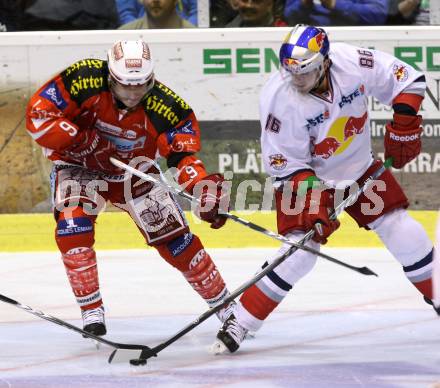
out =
column 250, row 335
column 218, row 348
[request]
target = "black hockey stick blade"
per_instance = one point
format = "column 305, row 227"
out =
column 134, row 356
column 5, row 299
column 269, row 233
column 367, row 271
column 144, row 356
column 362, row 270
column 116, row 345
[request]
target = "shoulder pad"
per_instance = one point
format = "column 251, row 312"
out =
column 85, row 79
column 165, row 108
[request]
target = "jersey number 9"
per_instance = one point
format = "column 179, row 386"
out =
column 69, row 128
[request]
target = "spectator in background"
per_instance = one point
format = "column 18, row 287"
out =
column 336, row 12
column 130, row 10
column 71, row 15
column 423, row 17
column 158, row 14
column 256, row 13
column 278, row 9
column 408, row 12
column 11, row 14
column 222, row 12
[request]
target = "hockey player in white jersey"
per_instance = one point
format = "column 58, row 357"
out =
column 315, row 129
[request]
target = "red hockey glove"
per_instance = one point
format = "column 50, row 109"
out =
column 318, row 207
column 212, row 200
column 403, row 139
column 93, row 152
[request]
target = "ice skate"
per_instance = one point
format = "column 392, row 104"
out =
column 229, row 337
column 226, row 311
column 93, row 321
column 429, row 301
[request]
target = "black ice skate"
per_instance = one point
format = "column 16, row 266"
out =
column 93, row 321
column 229, row 337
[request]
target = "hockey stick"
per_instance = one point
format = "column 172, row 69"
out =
column 242, row 221
column 60, row 322
column 152, row 352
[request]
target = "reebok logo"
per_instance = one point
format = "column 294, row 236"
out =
column 404, row 138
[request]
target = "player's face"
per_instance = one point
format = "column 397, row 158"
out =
column 130, row 95
column 305, row 82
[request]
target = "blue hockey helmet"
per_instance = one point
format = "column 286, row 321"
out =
column 304, row 49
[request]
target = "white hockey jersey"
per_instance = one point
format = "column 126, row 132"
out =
column 330, row 134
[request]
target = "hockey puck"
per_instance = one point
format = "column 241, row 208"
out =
column 138, row 362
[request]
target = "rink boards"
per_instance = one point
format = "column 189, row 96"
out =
column 114, row 230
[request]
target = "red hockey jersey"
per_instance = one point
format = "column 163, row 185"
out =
column 79, row 99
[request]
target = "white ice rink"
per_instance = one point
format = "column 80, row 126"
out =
column 337, row 328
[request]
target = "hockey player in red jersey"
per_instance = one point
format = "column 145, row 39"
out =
column 96, row 109
column 314, row 117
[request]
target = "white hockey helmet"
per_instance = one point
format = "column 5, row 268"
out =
column 130, row 62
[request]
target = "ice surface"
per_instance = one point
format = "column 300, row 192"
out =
column 336, row 328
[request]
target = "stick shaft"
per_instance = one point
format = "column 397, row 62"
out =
column 67, row 325
column 237, row 219
column 349, row 200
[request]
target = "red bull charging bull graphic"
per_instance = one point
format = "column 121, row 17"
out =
column 400, row 72
column 278, row 161
column 315, row 44
column 339, row 136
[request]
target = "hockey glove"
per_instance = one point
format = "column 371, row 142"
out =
column 403, row 139
column 212, row 200
column 316, row 214
column 93, row 152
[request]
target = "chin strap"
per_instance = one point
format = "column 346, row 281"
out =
column 323, row 74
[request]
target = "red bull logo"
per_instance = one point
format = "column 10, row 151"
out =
column 277, row 161
column 320, row 39
column 339, row 137
column 400, row 72
column 325, row 148
column 315, row 44
column 290, row 61
column 354, row 126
